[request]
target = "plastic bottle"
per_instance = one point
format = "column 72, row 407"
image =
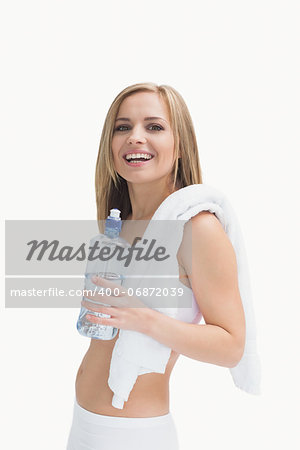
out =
column 110, row 239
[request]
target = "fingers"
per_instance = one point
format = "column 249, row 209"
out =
column 97, row 308
column 116, row 288
column 102, row 320
column 109, row 294
column 118, row 296
column 118, row 302
column 107, row 300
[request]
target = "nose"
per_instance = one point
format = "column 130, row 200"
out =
column 136, row 136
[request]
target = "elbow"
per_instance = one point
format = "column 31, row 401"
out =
column 237, row 354
column 238, row 346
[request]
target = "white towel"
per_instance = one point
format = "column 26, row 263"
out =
column 135, row 353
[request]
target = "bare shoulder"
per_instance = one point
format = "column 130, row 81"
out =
column 205, row 222
column 203, row 228
column 205, row 246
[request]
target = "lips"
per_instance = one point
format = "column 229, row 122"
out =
column 136, row 151
column 137, row 164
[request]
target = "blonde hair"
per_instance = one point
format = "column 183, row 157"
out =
column 111, row 188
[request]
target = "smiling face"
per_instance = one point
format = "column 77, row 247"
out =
column 142, row 126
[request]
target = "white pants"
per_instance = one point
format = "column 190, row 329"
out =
column 90, row 431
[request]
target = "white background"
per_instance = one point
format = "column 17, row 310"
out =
column 236, row 64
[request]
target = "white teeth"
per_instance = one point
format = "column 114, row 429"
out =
column 138, row 155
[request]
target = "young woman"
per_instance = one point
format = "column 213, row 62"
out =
column 150, row 119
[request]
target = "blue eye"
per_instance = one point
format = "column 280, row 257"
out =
column 150, row 126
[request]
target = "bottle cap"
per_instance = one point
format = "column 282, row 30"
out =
column 115, row 213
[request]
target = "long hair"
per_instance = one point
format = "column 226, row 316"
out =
column 111, row 188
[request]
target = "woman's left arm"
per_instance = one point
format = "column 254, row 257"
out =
column 210, row 262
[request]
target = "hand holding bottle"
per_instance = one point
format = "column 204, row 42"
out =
column 126, row 312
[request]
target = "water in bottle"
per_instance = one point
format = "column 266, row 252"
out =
column 110, row 239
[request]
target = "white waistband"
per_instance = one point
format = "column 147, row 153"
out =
column 123, row 422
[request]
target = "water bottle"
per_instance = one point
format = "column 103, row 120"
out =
column 110, row 239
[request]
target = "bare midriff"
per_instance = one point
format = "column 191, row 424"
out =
column 148, row 398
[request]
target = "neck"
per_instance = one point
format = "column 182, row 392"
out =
column 145, row 198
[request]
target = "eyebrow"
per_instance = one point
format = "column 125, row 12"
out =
column 146, row 118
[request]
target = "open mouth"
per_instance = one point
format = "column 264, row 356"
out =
column 137, row 160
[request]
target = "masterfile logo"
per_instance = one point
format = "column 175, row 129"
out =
column 46, row 260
